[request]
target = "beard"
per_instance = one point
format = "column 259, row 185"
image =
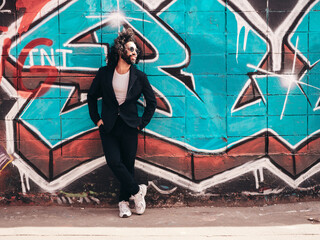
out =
column 127, row 58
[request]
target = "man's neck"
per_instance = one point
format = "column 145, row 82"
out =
column 122, row 67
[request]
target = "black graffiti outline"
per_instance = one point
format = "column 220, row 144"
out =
column 166, row 169
column 177, row 73
column 284, row 41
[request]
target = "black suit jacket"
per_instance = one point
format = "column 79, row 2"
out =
column 102, row 87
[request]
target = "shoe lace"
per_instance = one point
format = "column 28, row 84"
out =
column 124, row 206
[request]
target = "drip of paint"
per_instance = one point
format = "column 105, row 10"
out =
column 258, row 173
column 255, row 174
column 25, row 180
column 23, row 186
column 240, row 24
column 261, row 174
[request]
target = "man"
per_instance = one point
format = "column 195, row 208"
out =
column 120, row 85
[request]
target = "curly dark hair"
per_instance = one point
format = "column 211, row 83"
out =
column 127, row 35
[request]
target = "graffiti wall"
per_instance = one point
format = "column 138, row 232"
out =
column 237, row 85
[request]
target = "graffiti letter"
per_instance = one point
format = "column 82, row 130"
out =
column 64, row 56
column 51, row 71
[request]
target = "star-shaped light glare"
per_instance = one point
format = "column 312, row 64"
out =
column 117, row 18
column 287, row 80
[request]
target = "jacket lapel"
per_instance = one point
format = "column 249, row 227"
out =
column 132, row 79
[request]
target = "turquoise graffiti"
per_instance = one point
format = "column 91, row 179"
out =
column 237, row 86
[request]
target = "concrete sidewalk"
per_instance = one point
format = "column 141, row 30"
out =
column 284, row 221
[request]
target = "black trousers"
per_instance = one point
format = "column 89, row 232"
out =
column 120, row 148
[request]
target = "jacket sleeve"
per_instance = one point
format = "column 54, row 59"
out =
column 94, row 93
column 151, row 103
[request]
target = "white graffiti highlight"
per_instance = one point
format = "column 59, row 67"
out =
column 291, row 79
column 241, row 24
column 28, row 173
column 317, row 104
column 275, row 37
column 257, row 167
column 50, row 58
column 2, row 5
column 252, row 166
column 255, row 174
column 153, row 4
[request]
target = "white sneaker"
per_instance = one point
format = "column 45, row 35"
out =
column 140, row 203
column 124, row 210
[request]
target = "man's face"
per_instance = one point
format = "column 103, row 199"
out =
column 130, row 53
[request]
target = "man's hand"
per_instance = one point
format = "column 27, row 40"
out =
column 138, row 128
column 100, row 122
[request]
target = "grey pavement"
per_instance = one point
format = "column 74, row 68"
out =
column 282, row 221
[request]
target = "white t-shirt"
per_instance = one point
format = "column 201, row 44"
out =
column 120, row 84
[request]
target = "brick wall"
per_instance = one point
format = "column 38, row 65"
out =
column 237, row 86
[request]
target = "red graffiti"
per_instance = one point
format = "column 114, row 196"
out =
column 3, row 29
column 50, row 71
column 5, row 54
column 32, row 8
